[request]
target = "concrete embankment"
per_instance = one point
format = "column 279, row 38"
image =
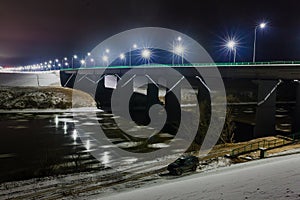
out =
column 47, row 78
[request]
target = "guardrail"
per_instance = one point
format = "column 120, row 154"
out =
column 265, row 144
column 230, row 64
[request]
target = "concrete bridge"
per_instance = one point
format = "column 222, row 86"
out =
column 267, row 76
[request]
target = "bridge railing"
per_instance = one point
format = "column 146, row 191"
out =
column 229, row 64
column 265, row 144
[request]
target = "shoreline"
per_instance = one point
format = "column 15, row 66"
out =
column 50, row 110
column 22, row 99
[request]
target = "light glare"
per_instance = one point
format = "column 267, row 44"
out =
column 122, row 56
column 105, row 58
column 146, row 53
column 231, row 44
column 262, row 25
column 179, row 49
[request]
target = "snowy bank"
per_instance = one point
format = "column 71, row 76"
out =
column 273, row 178
column 48, row 97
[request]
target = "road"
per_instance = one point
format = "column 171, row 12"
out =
column 29, row 78
column 273, row 178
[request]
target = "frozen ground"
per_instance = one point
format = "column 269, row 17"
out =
column 273, row 178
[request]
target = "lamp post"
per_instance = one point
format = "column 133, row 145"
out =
column 105, row 59
column 146, row 54
column 261, row 26
column 176, row 48
column 231, row 45
column 93, row 61
column 179, row 50
column 74, row 57
column 82, row 62
column 65, row 59
column 134, row 46
column 122, row 57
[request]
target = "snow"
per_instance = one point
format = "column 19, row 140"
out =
column 272, row 178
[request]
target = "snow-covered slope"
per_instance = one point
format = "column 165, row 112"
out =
column 273, row 178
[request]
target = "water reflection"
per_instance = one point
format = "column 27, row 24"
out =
column 106, row 158
column 39, row 140
column 88, row 145
column 65, row 127
column 56, row 121
column 75, row 135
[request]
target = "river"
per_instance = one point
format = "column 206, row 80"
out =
column 37, row 144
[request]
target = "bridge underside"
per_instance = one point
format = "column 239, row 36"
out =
column 264, row 81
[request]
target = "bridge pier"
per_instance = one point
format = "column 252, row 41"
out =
column 266, row 109
column 123, row 90
column 172, row 103
column 103, row 95
column 296, row 117
column 152, row 95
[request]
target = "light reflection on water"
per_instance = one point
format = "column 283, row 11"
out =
column 29, row 137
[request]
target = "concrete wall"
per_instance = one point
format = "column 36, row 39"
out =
column 30, row 78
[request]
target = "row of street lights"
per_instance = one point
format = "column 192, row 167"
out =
column 232, row 44
column 177, row 49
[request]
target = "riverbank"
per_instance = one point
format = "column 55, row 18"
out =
column 111, row 181
column 46, row 97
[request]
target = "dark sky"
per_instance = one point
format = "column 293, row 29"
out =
column 37, row 30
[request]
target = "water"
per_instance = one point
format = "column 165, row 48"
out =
column 41, row 144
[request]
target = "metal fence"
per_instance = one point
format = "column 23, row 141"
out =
column 265, row 144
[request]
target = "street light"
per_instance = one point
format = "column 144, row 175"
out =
column 261, row 26
column 74, row 57
column 93, row 61
column 134, row 46
column 146, row 54
column 231, row 45
column 105, row 59
column 82, row 62
column 178, row 49
column 122, row 57
column 66, row 64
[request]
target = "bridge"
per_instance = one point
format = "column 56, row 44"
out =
column 266, row 75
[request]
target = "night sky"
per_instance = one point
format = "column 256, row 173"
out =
column 32, row 31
